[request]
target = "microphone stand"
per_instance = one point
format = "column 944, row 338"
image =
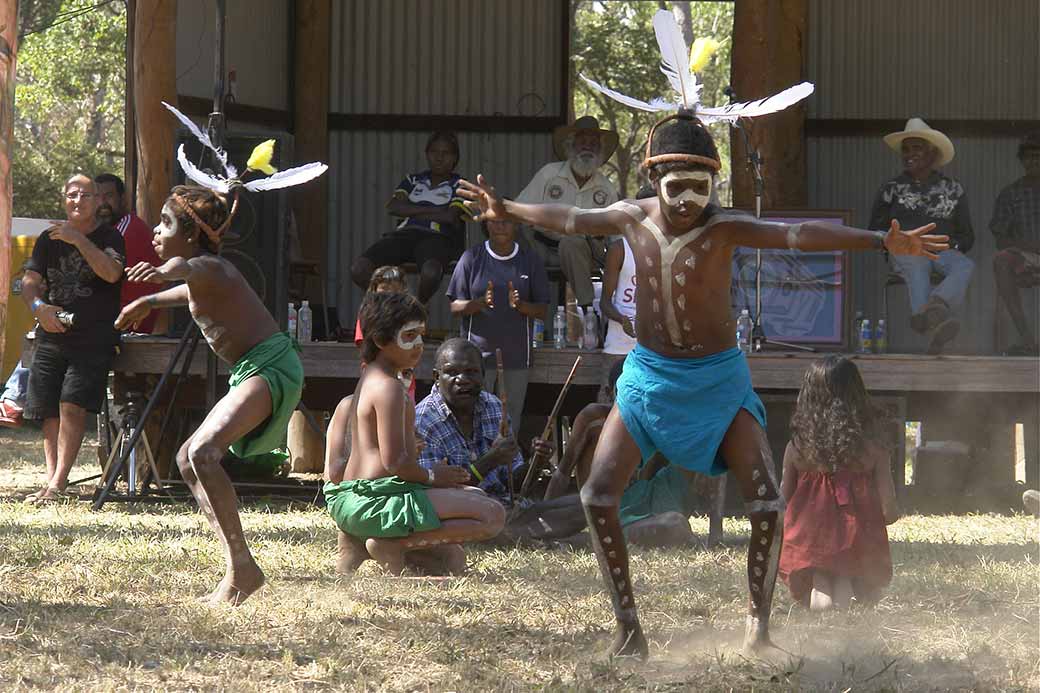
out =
column 759, row 341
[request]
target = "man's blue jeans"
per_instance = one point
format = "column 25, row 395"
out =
column 956, row 268
column 16, row 387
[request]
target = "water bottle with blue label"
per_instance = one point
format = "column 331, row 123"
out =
column 881, row 337
column 866, row 338
column 537, row 333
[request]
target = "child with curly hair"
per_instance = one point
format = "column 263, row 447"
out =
column 840, row 495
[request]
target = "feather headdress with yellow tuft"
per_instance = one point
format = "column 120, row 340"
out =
column 679, row 64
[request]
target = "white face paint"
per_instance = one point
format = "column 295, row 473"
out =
column 168, row 225
column 410, row 344
column 687, row 195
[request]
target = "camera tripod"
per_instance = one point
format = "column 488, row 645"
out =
column 128, row 444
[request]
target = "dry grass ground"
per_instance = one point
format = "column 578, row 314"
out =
column 106, row 601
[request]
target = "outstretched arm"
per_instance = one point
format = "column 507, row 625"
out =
column 138, row 309
column 822, row 235
column 486, row 204
column 196, row 269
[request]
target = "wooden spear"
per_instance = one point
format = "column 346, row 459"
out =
column 536, row 459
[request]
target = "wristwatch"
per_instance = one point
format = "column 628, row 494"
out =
column 429, row 477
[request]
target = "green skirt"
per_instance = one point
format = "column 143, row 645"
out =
column 276, row 361
column 385, row 508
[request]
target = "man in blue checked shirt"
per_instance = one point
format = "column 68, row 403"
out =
column 461, row 424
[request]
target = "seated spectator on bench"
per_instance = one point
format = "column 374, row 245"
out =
column 12, row 399
column 1016, row 229
column 583, row 147
column 431, row 232
column 656, row 507
column 376, row 491
column 461, row 423
column 918, row 196
column 498, row 288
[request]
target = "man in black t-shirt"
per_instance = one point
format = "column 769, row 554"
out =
column 81, row 264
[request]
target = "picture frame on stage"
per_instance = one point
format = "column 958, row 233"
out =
column 806, row 299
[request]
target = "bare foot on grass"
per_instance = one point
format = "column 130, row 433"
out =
column 387, row 553
column 352, row 554
column 756, row 639
column 449, row 559
column 237, row 585
column 629, row 641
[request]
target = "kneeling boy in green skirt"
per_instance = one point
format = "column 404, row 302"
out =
column 376, row 491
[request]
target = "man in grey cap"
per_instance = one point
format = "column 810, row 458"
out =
column 922, row 195
column 575, row 180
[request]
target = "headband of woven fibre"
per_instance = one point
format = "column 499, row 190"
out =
column 197, row 202
column 681, row 138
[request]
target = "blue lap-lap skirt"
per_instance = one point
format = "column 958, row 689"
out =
column 682, row 408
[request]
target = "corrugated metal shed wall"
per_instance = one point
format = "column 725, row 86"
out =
column 258, row 47
column 453, row 57
column 463, row 57
column 939, row 59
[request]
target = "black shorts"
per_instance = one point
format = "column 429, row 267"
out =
column 409, row 245
column 67, row 374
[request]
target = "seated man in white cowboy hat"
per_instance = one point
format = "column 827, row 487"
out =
column 922, row 195
column 575, row 180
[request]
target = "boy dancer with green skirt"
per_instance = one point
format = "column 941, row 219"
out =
column 266, row 376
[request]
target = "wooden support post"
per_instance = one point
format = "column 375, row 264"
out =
column 768, row 56
column 8, row 55
column 310, row 117
column 155, row 81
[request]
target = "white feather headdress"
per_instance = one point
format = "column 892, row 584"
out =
column 675, row 64
column 230, row 178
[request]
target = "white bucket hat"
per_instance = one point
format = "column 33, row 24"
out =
column 915, row 127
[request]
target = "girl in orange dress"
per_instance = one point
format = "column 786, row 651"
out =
column 840, row 496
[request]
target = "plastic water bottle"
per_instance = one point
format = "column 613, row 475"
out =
column 560, row 328
column 866, row 338
column 744, row 327
column 304, row 323
column 857, row 327
column 590, row 335
column 292, row 320
column 537, row 334
column 881, row 338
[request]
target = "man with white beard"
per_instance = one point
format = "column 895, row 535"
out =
column 577, row 181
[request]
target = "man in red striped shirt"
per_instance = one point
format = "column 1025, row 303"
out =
column 137, row 236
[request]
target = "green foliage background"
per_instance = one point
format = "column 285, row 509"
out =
column 69, row 98
column 613, row 43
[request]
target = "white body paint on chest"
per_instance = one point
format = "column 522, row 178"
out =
column 669, row 250
column 687, row 195
column 410, row 344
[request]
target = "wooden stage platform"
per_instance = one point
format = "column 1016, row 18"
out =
column 976, row 400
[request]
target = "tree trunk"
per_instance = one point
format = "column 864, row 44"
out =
column 684, row 16
column 310, row 203
column 8, row 53
column 768, row 55
column 155, row 81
